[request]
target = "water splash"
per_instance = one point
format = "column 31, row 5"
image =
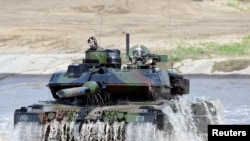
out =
column 185, row 120
column 190, row 118
column 183, row 125
column 28, row 132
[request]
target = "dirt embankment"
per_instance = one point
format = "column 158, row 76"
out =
column 63, row 26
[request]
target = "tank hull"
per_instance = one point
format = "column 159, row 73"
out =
column 51, row 115
column 46, row 112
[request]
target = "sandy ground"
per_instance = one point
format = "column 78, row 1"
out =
column 49, row 63
column 45, row 36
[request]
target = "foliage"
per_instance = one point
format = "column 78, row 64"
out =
column 200, row 50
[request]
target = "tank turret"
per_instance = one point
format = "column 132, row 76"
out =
column 139, row 80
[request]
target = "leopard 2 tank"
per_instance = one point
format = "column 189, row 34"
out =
column 98, row 98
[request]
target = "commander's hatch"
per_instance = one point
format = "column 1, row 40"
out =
column 140, row 56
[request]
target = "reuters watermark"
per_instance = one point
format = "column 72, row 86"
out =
column 239, row 132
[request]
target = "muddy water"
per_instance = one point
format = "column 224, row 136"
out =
column 232, row 91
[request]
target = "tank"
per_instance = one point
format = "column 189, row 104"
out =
column 103, row 92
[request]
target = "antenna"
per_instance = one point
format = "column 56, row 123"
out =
column 127, row 44
column 170, row 33
column 101, row 29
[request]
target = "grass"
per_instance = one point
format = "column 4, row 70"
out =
column 239, row 5
column 186, row 50
column 203, row 50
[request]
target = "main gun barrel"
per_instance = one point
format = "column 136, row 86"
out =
column 73, row 92
column 89, row 87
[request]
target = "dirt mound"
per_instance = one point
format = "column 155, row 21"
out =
column 62, row 26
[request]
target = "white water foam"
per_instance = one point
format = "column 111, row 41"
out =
column 181, row 123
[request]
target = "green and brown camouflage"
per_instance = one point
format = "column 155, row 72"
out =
column 101, row 88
